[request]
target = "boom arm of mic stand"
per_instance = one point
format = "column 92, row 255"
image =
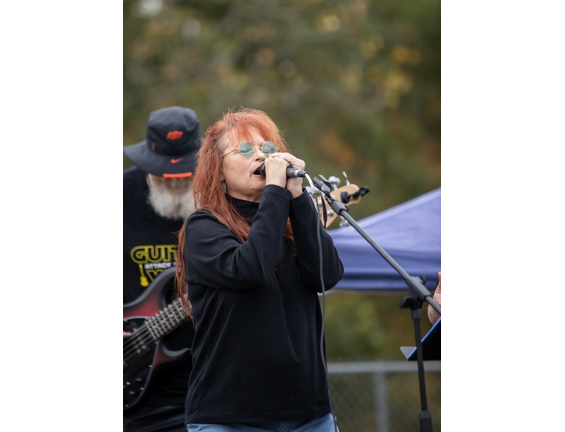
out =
column 419, row 294
column 414, row 283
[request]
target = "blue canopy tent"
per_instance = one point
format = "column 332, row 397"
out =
column 410, row 233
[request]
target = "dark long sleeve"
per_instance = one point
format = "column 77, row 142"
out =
column 220, row 260
column 306, row 227
column 256, row 350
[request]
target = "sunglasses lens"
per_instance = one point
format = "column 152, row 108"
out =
column 268, row 148
column 246, row 149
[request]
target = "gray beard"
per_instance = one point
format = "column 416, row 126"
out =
column 170, row 205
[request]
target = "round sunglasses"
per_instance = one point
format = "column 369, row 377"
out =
column 247, row 150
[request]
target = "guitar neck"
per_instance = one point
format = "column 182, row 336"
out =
column 166, row 320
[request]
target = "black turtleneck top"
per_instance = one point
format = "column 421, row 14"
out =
column 256, row 350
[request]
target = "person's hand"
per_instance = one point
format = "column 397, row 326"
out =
column 437, row 293
column 293, row 184
column 276, row 171
column 126, row 334
column 432, row 314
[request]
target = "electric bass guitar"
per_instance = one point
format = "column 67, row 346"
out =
column 149, row 318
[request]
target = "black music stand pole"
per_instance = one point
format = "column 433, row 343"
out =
column 418, row 295
column 414, row 304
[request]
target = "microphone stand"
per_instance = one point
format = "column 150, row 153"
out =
column 414, row 301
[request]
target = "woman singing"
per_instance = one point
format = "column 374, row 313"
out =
column 249, row 262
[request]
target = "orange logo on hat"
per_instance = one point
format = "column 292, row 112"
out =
column 176, row 160
column 181, row 175
column 174, row 135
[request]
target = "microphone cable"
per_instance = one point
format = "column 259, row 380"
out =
column 322, row 350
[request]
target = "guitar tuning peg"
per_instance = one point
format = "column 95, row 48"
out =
column 335, row 181
column 345, row 177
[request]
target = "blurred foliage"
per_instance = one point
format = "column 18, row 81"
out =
column 354, row 86
column 364, row 326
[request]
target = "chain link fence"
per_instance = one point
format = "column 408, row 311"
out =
column 384, row 396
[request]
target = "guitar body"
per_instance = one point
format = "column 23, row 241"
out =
column 144, row 351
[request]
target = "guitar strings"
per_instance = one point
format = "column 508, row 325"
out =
column 137, row 342
column 142, row 337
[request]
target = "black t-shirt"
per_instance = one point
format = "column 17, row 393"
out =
column 150, row 247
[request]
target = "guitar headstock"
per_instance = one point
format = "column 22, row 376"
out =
column 347, row 194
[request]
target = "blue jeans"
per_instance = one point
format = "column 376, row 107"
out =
column 320, row 424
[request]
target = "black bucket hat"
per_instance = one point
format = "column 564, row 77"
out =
column 171, row 144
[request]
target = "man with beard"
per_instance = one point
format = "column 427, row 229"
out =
column 157, row 199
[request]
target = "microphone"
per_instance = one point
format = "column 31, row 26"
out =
column 290, row 172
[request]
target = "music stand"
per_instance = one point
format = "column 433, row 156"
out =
column 431, row 345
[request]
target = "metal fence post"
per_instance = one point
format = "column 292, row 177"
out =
column 381, row 391
column 381, row 401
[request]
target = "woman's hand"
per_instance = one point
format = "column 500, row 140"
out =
column 278, row 163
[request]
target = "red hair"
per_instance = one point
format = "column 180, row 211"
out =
column 235, row 124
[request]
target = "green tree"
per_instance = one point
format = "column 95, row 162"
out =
column 354, row 86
